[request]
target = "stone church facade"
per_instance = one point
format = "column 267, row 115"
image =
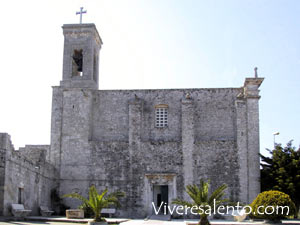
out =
column 148, row 143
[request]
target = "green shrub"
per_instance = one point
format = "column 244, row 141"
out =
column 269, row 203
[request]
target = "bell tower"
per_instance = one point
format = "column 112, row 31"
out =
column 82, row 44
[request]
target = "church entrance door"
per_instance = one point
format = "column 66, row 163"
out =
column 161, row 196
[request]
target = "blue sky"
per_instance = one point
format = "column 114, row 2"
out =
column 153, row 44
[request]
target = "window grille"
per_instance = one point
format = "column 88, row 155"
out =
column 161, row 116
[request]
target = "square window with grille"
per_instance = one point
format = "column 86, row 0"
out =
column 161, row 116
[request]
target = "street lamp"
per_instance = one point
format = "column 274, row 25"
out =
column 274, row 134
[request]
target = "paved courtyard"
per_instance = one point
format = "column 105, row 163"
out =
column 40, row 223
column 150, row 222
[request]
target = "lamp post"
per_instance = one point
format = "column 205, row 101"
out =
column 274, row 134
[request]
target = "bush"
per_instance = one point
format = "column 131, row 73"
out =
column 268, row 203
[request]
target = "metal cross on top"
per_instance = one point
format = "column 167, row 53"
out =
column 81, row 12
column 255, row 72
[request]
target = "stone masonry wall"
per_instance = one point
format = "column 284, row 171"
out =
column 109, row 140
column 109, row 168
column 36, row 177
column 214, row 113
column 217, row 161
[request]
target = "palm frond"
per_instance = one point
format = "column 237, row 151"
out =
column 200, row 197
column 217, row 194
column 193, row 192
column 113, row 198
column 93, row 197
column 77, row 196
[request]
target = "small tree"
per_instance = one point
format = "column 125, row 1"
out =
column 98, row 201
column 201, row 199
column 281, row 171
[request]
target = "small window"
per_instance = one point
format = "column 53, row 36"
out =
column 20, row 195
column 161, row 116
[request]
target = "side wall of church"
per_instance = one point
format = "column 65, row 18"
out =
column 26, row 172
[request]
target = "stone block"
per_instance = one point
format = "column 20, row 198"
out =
column 75, row 214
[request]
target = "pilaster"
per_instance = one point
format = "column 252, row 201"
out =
column 248, row 146
column 134, row 138
column 188, row 138
column 5, row 148
column 242, row 148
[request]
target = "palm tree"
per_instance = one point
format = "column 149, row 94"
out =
column 98, row 201
column 201, row 199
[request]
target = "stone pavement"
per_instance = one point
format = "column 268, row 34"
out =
column 54, row 220
column 39, row 223
column 150, row 222
column 159, row 222
column 194, row 222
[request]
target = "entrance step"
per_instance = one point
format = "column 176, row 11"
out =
column 160, row 217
